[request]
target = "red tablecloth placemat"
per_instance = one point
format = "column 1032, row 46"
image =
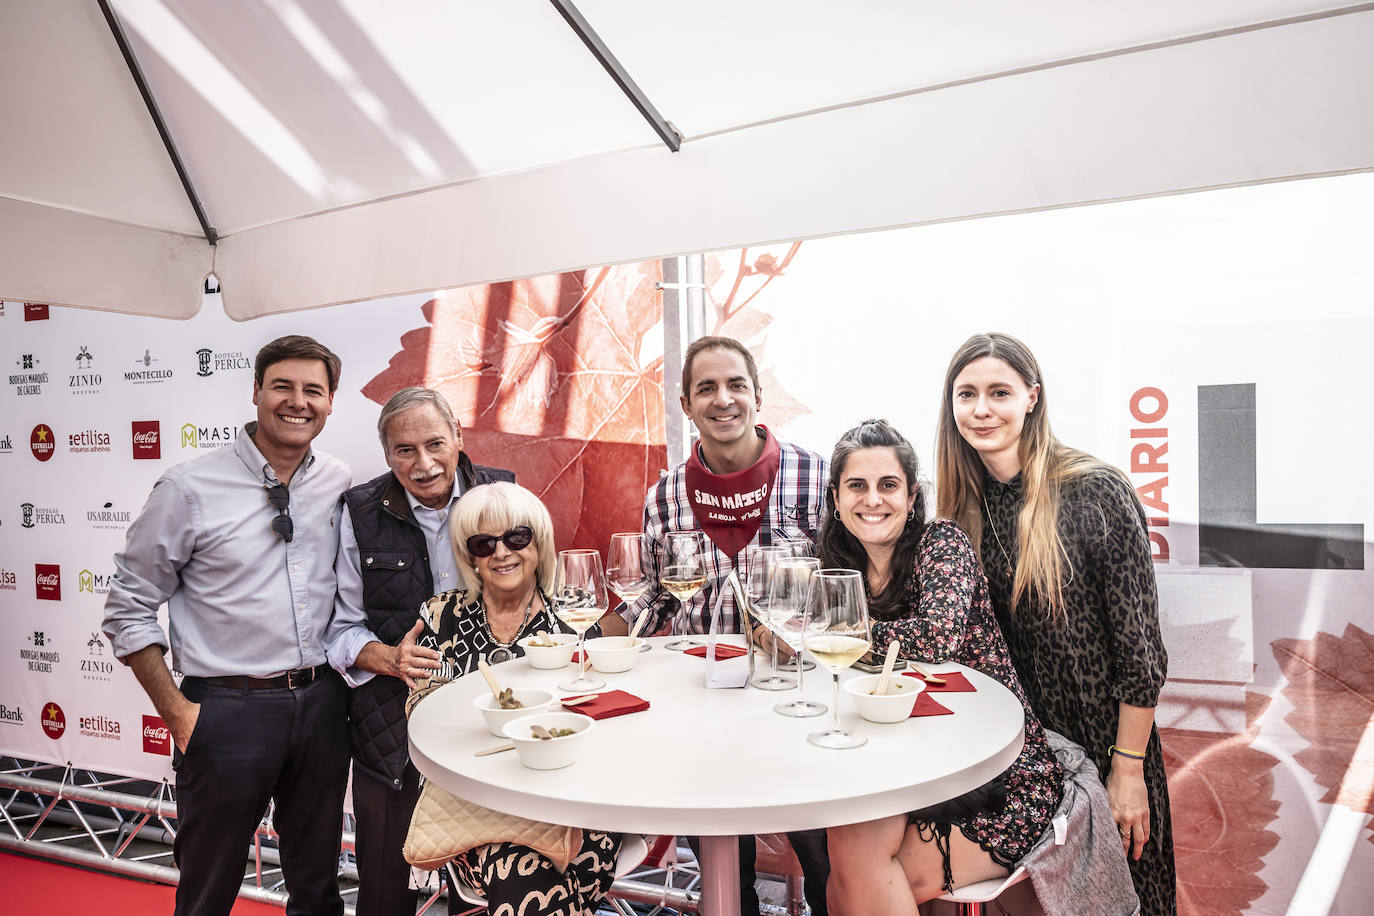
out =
column 723, row 651
column 954, row 682
column 609, row 703
column 927, row 705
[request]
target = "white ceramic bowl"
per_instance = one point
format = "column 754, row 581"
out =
column 550, row 656
column 891, row 707
column 531, row 699
column 612, row 654
column 550, row 753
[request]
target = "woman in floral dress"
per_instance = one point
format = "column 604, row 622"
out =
column 927, row 591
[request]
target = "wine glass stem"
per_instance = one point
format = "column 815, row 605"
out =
column 801, row 697
column 581, row 657
column 773, row 670
column 835, row 703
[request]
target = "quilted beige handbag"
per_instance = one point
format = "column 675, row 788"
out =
column 444, row 825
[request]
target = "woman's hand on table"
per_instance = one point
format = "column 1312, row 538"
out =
column 415, row 663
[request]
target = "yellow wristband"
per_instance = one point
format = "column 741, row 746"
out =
column 1134, row 755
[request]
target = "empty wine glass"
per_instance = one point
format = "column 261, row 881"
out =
column 788, row 607
column 625, row 571
column 759, row 563
column 683, row 574
column 837, row 635
column 579, row 600
column 796, row 547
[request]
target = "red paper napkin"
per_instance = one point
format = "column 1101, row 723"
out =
column 927, row 705
column 610, row 703
column 955, row 682
column 723, row 651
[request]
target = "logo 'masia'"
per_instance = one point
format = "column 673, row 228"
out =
column 147, row 439
column 54, row 720
column 47, row 578
column 42, row 442
column 157, row 737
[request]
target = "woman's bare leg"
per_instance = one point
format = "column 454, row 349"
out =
column 865, row 874
column 885, row 868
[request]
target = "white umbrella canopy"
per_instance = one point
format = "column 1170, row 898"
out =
column 351, row 149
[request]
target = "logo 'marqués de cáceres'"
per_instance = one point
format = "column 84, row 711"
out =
column 147, row 439
column 47, row 579
column 42, row 442
column 157, row 737
column 43, row 655
column 28, row 380
column 54, row 720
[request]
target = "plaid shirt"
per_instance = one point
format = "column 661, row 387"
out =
column 793, row 511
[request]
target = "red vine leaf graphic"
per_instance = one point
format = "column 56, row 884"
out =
column 733, row 281
column 1331, row 687
column 547, row 378
column 1222, row 795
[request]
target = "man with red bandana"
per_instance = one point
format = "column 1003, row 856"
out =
column 740, row 486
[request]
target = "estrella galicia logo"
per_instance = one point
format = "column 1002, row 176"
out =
column 42, row 442
column 54, row 720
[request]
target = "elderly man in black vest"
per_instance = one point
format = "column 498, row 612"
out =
column 394, row 554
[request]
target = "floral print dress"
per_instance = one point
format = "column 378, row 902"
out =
column 948, row 618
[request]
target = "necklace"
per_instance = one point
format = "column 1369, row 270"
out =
column 993, row 525
column 502, row 652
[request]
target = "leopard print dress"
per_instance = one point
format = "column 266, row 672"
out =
column 1108, row 651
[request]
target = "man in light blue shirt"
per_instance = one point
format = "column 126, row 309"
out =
column 395, row 554
column 240, row 544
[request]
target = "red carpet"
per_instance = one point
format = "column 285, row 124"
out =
column 34, row 887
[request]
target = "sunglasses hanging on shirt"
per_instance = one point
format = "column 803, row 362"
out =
column 280, row 499
column 484, row 545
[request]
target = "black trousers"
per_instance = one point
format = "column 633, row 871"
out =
column 383, row 816
column 812, row 854
column 249, row 747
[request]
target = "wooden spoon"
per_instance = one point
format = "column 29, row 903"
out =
column 885, row 679
column 508, row 746
column 541, row 733
column 578, row 701
column 492, row 682
column 924, row 674
column 639, row 624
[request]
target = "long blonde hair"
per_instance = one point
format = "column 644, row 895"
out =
column 1043, row 565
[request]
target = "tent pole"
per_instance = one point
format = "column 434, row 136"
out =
column 136, row 72
column 622, row 79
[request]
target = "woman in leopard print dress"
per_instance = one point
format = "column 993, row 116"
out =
column 1062, row 538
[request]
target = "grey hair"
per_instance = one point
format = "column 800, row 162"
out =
column 409, row 398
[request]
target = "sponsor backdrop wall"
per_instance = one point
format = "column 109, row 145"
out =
column 1212, row 345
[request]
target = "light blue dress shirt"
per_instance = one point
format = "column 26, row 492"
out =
column 240, row 600
column 349, row 632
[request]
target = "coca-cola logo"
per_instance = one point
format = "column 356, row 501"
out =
column 42, row 442
column 147, row 436
column 54, row 720
column 47, row 580
column 157, row 737
column 35, row 311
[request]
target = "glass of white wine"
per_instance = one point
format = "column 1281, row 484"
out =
column 625, row 570
column 837, row 636
column 579, row 600
column 796, row 547
column 788, row 607
column 759, row 563
column 683, row 574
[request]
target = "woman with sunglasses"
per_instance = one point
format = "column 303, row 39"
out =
column 503, row 541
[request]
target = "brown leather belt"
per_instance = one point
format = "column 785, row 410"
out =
column 290, row 680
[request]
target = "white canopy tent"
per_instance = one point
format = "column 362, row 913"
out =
column 352, row 149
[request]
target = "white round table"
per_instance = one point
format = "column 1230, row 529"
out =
column 718, row 762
